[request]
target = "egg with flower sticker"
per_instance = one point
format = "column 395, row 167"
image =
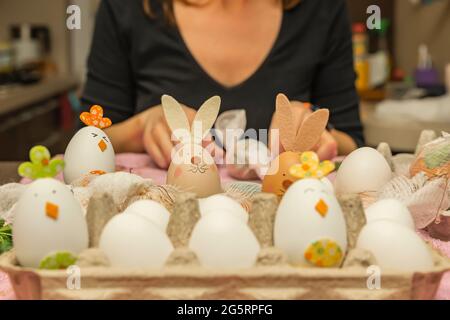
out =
column 47, row 219
column 297, row 140
column 310, row 226
column 90, row 151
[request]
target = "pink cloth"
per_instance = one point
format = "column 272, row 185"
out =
column 142, row 165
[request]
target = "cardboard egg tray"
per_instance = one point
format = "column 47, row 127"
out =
column 183, row 278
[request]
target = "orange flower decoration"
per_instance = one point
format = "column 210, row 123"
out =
column 95, row 118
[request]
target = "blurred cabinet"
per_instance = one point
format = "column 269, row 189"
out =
column 32, row 115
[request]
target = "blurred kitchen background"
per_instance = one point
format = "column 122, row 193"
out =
column 404, row 71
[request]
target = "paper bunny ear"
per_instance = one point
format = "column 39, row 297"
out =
column 175, row 116
column 285, row 122
column 307, row 136
column 205, row 117
column 311, row 130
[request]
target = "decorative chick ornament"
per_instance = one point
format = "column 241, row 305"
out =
column 90, row 151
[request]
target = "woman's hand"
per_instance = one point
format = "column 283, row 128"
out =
column 327, row 147
column 157, row 136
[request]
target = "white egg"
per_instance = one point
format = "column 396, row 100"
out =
column 223, row 241
column 222, row 203
column 328, row 184
column 395, row 247
column 392, row 210
column 132, row 241
column 47, row 219
column 363, row 170
column 310, row 222
column 151, row 210
column 90, row 150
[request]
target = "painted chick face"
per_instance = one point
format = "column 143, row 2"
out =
column 278, row 179
column 310, row 226
column 47, row 218
column 89, row 151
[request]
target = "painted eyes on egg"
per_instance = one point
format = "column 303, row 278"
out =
column 37, row 195
column 308, row 190
column 94, row 135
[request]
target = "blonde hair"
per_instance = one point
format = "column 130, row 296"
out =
column 167, row 6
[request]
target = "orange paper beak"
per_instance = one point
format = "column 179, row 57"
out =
column 321, row 208
column 52, row 210
column 98, row 172
column 102, row 145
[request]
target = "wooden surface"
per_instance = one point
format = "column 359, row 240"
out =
column 8, row 172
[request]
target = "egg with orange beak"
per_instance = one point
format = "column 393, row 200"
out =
column 47, row 219
column 90, row 151
column 310, row 226
column 295, row 139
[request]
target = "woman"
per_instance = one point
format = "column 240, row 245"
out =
column 245, row 51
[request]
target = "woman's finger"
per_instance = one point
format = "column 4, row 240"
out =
column 162, row 135
column 155, row 153
column 327, row 148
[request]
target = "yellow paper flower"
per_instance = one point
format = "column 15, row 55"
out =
column 41, row 165
column 311, row 167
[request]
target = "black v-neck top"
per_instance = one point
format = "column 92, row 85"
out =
column 134, row 60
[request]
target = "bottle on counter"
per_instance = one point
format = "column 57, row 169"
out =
column 380, row 61
column 360, row 53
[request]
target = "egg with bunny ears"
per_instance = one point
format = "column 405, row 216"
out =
column 89, row 151
column 192, row 168
column 296, row 140
column 310, row 226
column 48, row 219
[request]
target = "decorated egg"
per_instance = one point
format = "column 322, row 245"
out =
column 222, row 203
column 297, row 139
column 363, row 170
column 221, row 240
column 310, row 226
column 133, row 241
column 395, row 247
column 291, row 167
column 197, row 173
column 48, row 219
column 192, row 168
column 278, row 177
column 89, row 151
column 392, row 210
column 151, row 210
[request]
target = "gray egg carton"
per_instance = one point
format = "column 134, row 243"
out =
column 184, row 278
